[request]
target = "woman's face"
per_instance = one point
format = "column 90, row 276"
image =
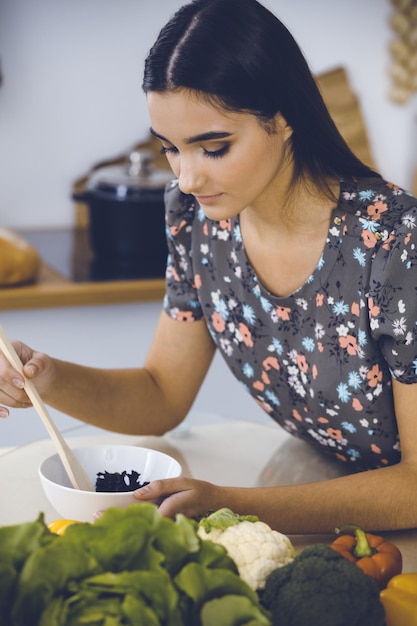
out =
column 225, row 159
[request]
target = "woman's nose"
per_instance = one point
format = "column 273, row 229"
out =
column 190, row 178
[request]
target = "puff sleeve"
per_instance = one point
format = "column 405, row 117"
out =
column 392, row 298
column 181, row 300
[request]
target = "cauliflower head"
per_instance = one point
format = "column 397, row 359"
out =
column 256, row 549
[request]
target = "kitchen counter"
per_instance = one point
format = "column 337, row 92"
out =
column 235, row 453
column 64, row 281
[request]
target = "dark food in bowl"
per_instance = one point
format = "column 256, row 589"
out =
column 108, row 481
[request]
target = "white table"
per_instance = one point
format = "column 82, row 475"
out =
column 234, row 453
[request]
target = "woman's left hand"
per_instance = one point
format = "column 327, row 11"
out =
column 188, row 496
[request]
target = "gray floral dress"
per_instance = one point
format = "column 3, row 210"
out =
column 319, row 362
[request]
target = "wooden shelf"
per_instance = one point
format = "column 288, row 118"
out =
column 64, row 277
column 54, row 290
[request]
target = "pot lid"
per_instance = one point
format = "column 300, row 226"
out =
column 139, row 174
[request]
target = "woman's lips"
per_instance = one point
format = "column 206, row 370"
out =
column 208, row 199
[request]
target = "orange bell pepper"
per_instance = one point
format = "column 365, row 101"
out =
column 400, row 600
column 376, row 557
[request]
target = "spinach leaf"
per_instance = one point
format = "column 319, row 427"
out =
column 129, row 568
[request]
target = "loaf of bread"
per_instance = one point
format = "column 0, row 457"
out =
column 20, row 262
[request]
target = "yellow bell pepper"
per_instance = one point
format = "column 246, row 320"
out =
column 400, row 600
column 59, row 526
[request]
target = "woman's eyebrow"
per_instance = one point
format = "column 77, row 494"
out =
column 214, row 134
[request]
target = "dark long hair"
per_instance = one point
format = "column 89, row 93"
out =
column 237, row 54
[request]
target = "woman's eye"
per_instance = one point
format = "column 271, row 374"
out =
column 166, row 150
column 211, row 154
column 215, row 154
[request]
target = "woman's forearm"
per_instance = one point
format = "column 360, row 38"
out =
column 147, row 400
column 127, row 401
column 377, row 499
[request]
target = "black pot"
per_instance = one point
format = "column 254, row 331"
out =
column 127, row 220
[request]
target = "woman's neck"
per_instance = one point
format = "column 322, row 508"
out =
column 302, row 211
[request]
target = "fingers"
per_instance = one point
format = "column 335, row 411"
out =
column 12, row 391
column 159, row 489
column 180, row 495
column 33, row 362
column 13, row 395
column 33, row 367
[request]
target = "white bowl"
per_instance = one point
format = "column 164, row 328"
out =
column 81, row 505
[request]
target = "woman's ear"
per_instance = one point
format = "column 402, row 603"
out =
column 282, row 127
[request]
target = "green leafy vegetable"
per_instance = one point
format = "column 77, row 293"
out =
column 224, row 518
column 232, row 611
column 46, row 572
column 203, row 584
column 16, row 544
column 130, row 568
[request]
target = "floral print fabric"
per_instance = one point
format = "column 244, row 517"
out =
column 320, row 361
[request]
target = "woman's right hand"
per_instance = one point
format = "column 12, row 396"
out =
column 36, row 366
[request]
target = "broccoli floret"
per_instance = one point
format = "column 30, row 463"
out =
column 322, row 588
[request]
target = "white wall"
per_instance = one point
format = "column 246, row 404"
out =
column 72, row 96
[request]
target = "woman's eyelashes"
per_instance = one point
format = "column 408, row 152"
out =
column 165, row 150
column 211, row 154
column 216, row 154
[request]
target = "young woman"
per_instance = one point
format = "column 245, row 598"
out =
column 287, row 254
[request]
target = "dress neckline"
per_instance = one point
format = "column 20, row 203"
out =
column 321, row 272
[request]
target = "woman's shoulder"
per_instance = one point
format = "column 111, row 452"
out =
column 377, row 199
column 382, row 224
